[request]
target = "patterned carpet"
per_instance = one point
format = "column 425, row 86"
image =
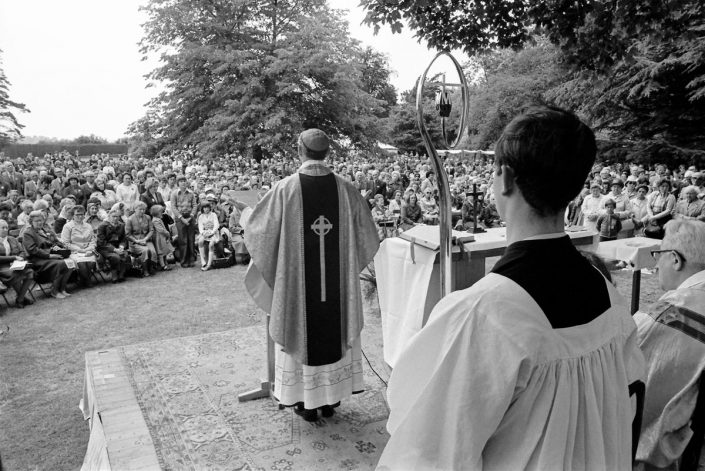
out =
column 187, row 389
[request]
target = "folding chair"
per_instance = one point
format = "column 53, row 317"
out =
column 97, row 275
column 38, row 283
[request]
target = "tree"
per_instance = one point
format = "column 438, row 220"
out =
column 635, row 69
column 375, row 79
column 402, row 127
column 92, row 139
column 10, row 127
column 244, row 76
column 506, row 81
column 656, row 92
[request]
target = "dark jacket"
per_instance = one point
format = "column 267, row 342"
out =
column 38, row 244
column 15, row 250
column 150, row 200
column 110, row 237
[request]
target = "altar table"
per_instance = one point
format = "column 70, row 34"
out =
column 636, row 251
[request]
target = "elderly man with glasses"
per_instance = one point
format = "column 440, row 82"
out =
column 672, row 336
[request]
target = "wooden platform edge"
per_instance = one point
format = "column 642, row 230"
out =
column 119, row 438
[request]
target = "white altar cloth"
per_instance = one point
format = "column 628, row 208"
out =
column 636, row 251
column 400, row 304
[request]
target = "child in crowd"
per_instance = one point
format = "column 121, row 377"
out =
column 608, row 224
column 162, row 237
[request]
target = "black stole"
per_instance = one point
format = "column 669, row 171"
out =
column 323, row 313
column 569, row 290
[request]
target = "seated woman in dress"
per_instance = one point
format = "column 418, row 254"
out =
column 429, row 207
column 395, row 205
column 10, row 251
column 411, row 214
column 96, row 215
column 237, row 241
column 112, row 245
column 380, row 215
column 78, row 236
column 50, row 266
column 162, row 236
column 208, row 226
column 139, row 231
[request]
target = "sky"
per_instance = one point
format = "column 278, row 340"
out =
column 76, row 63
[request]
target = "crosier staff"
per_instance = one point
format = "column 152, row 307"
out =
column 444, row 108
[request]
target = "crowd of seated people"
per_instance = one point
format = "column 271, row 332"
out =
column 119, row 214
column 65, row 219
column 642, row 199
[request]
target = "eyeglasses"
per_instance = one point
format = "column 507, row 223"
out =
column 657, row 253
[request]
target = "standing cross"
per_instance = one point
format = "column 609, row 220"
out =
column 321, row 227
column 476, row 196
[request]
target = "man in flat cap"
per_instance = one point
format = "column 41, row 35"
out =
column 309, row 237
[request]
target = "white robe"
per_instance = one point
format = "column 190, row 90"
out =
column 489, row 384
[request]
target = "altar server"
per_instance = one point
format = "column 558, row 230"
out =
column 530, row 367
column 309, row 238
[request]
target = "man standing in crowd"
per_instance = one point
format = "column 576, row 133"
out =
column 379, row 187
column 13, row 180
column 184, row 206
column 87, row 187
column 526, row 369
column 672, row 336
column 309, row 238
column 57, row 184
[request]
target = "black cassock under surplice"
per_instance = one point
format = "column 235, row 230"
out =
column 323, row 313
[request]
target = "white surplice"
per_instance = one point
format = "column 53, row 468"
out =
column 489, row 384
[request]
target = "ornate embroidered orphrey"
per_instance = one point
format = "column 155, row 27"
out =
column 321, row 227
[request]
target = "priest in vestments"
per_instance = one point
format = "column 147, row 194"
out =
column 530, row 368
column 309, row 237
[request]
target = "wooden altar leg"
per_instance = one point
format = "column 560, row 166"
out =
column 266, row 388
column 636, row 290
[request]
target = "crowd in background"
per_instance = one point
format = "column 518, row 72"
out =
column 631, row 199
column 72, row 218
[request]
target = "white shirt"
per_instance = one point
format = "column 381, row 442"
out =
column 127, row 194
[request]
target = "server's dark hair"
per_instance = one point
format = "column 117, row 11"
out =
column 551, row 152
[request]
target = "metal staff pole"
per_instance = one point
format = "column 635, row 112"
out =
column 445, row 218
